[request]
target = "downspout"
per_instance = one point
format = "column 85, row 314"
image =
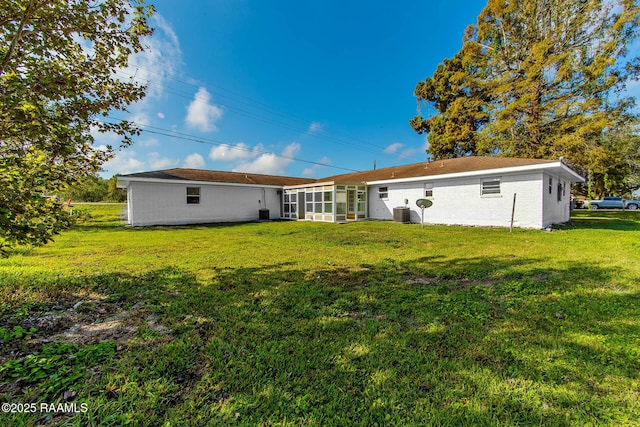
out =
column 130, row 204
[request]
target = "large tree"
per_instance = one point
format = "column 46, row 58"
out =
column 554, row 71
column 456, row 92
column 58, row 77
column 616, row 169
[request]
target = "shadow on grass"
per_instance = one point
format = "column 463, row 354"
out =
column 610, row 220
column 473, row 341
column 95, row 226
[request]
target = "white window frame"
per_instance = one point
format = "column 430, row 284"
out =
column 193, row 199
column 489, row 188
column 560, row 192
column 428, row 189
column 383, row 193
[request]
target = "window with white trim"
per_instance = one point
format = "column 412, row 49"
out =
column 193, row 195
column 490, row 186
column 317, row 199
column 309, row 199
column 383, row 192
column 290, row 204
column 559, row 191
column 428, row 189
column 550, row 185
column 328, row 202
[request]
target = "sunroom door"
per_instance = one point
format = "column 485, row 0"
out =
column 301, row 205
column 351, row 204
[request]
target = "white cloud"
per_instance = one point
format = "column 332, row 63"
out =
column 124, row 162
column 413, row 151
column 409, row 152
column 140, row 118
column 314, row 127
column 105, row 138
column 149, row 142
column 201, row 114
column 270, row 163
column 160, row 59
column 113, row 139
column 425, row 146
column 157, row 162
column 393, row 148
column 291, row 149
column 403, row 152
column 154, row 67
column 312, row 170
column 234, row 152
column 158, row 62
column 194, row 161
column 160, row 115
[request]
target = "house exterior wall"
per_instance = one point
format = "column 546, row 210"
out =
column 556, row 199
column 483, row 198
column 153, row 203
column 459, row 201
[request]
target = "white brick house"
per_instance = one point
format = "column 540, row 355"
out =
column 464, row 191
column 190, row 196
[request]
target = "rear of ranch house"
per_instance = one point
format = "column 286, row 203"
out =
column 464, row 191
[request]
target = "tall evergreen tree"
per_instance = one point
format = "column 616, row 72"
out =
column 457, row 94
column 552, row 72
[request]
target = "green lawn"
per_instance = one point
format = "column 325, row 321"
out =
column 313, row 324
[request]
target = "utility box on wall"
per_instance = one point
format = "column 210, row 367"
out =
column 263, row 214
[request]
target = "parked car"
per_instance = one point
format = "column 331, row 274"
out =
column 632, row 204
column 614, row 203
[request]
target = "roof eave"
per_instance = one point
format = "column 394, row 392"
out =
column 559, row 166
column 123, row 182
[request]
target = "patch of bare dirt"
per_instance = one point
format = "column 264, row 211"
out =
column 462, row 283
column 119, row 328
column 90, row 321
column 420, row 280
column 466, row 283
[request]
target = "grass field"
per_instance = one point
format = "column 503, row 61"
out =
column 313, row 324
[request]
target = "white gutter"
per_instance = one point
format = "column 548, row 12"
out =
column 483, row 172
column 123, row 182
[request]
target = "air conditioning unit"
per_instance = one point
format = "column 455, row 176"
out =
column 402, row 214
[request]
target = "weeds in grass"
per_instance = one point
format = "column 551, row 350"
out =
column 280, row 324
column 17, row 332
column 56, row 368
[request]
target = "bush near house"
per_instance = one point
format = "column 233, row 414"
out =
column 295, row 323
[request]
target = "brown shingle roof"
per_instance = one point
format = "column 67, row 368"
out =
column 219, row 176
column 439, row 167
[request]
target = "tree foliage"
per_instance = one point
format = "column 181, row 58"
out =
column 93, row 188
column 537, row 79
column 617, row 170
column 58, row 65
column 460, row 100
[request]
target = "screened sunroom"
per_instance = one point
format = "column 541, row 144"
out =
column 329, row 202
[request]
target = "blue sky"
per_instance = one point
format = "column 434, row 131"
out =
column 252, row 85
column 329, row 82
